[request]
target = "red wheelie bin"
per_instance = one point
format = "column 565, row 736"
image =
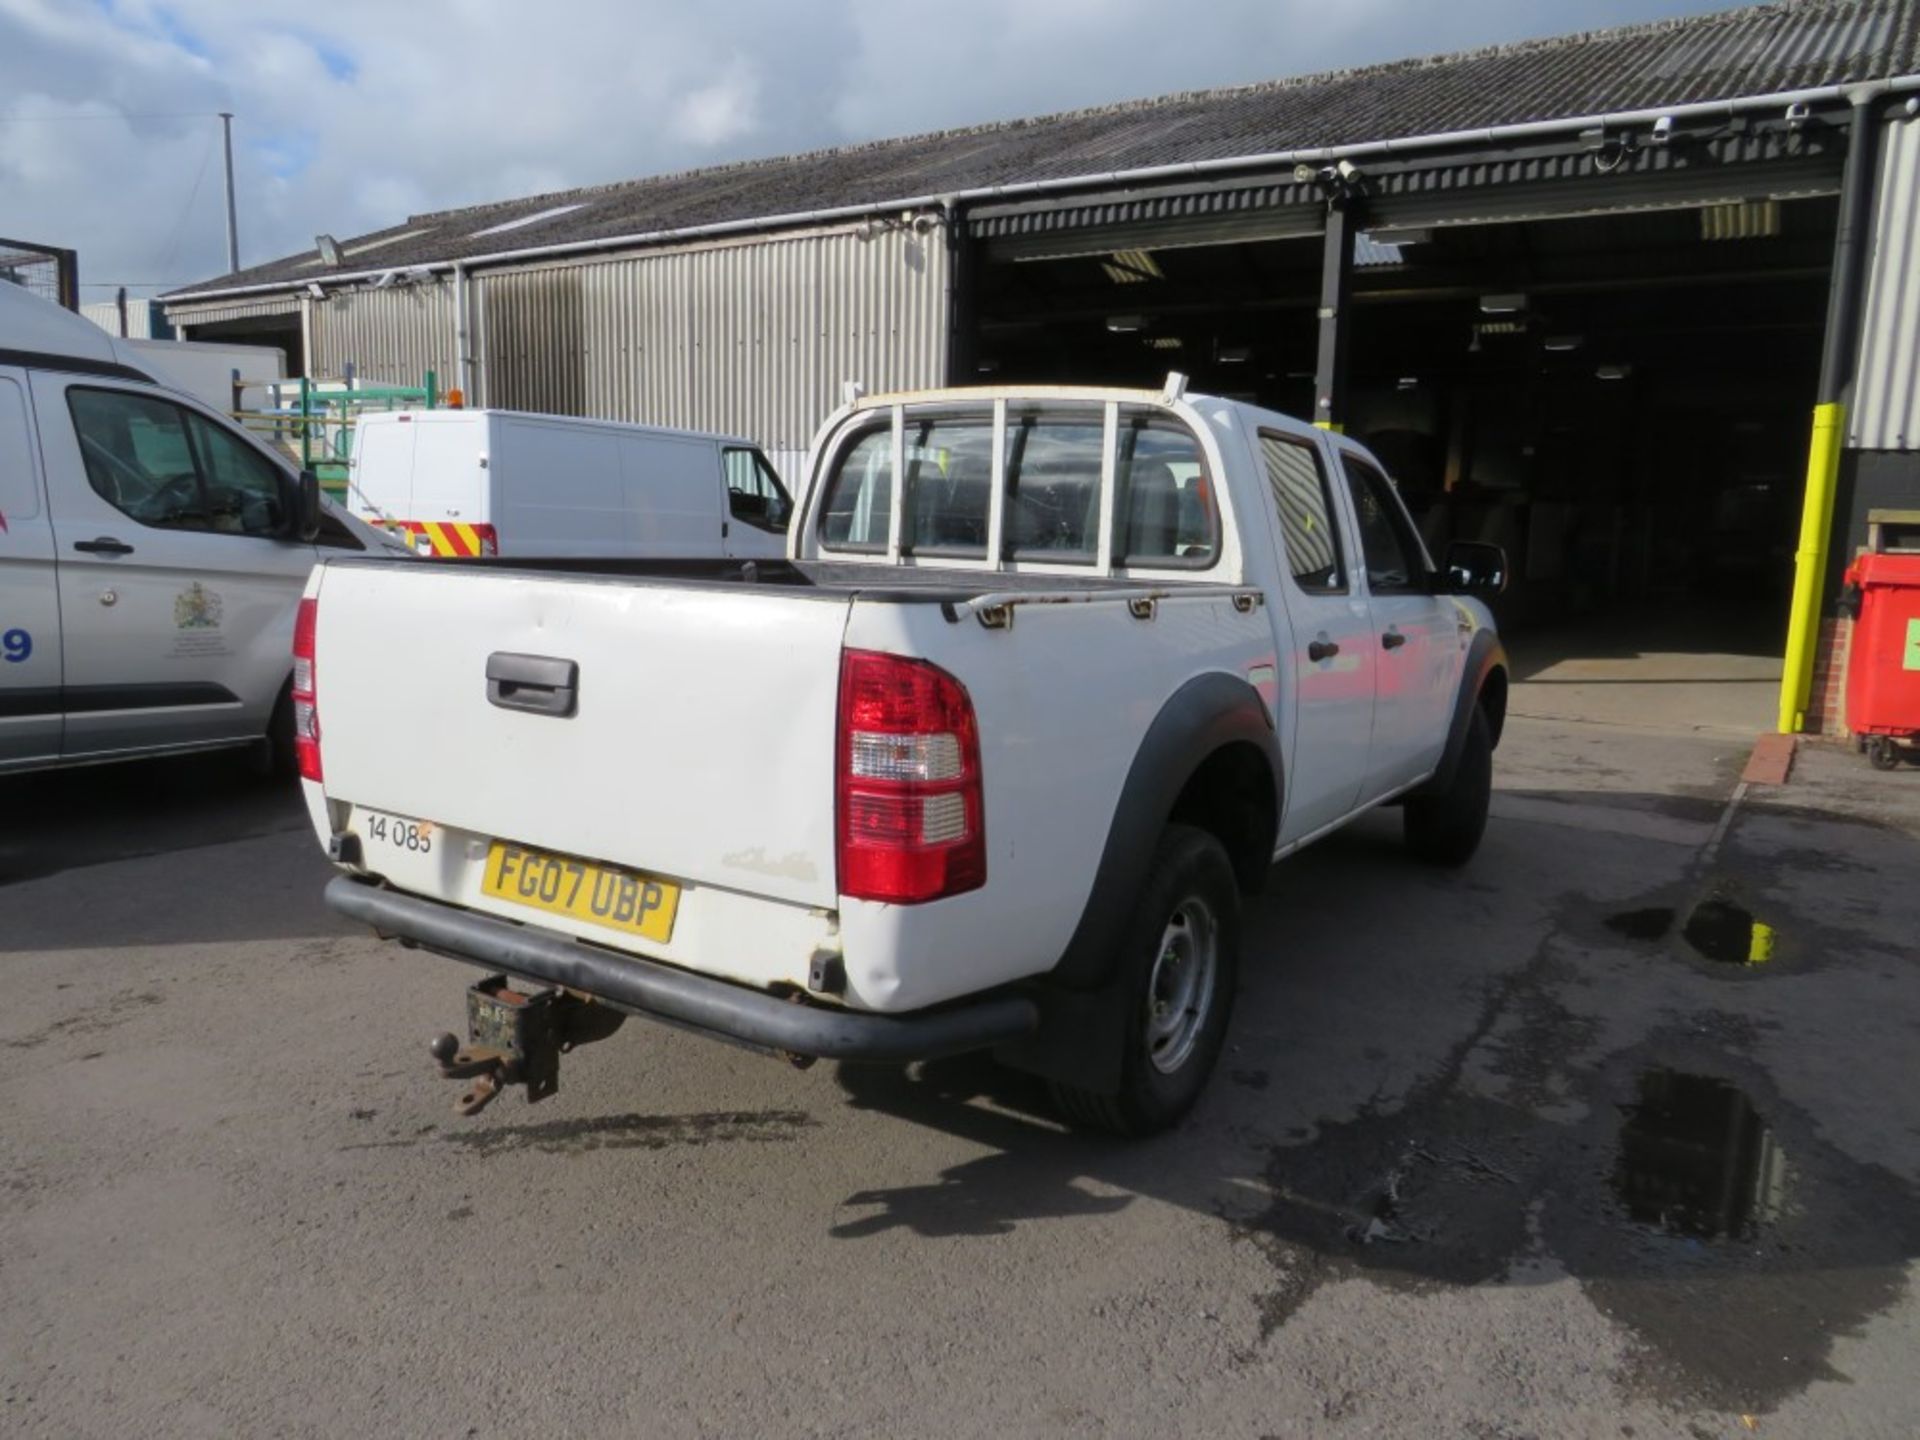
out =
column 1883, row 667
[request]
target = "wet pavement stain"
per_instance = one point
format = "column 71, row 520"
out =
column 1664, row 1192
column 1651, row 923
column 635, row 1132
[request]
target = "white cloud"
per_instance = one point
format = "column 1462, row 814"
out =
column 355, row 114
column 723, row 111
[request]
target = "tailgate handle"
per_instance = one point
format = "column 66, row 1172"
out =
column 540, row 684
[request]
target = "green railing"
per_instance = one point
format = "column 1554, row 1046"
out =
column 312, row 423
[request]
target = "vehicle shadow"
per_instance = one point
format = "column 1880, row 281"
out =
column 55, row 826
column 55, row 820
column 1442, row 1080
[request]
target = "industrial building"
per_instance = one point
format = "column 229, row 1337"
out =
column 1640, row 304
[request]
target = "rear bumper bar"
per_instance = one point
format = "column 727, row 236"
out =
column 648, row 988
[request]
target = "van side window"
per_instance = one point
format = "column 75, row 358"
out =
column 167, row 467
column 1300, row 493
column 755, row 495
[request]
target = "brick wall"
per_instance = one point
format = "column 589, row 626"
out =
column 1827, row 702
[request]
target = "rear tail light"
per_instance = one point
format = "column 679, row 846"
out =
column 489, row 539
column 306, row 713
column 911, row 817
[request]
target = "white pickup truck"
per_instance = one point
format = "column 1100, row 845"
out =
column 1048, row 680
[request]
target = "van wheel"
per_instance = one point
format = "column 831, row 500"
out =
column 1445, row 828
column 1179, row 962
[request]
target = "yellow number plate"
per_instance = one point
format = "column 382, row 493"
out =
column 597, row 894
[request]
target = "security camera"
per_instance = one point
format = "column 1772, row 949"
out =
column 1303, row 174
column 925, row 223
column 1347, row 171
column 1798, row 114
column 1663, row 130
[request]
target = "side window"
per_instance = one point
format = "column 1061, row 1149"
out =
column 1306, row 512
column 1053, row 487
column 170, row 468
column 859, row 495
column 755, row 495
column 138, row 457
column 242, row 486
column 1167, row 510
column 949, row 477
column 1392, row 552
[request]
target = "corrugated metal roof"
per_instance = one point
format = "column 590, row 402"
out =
column 1758, row 50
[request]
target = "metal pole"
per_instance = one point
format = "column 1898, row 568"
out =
column 233, row 224
column 1829, row 420
column 1336, row 290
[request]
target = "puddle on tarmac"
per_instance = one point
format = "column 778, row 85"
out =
column 1717, row 930
column 1696, row 1160
column 1728, row 933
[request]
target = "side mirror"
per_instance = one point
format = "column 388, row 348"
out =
column 1473, row 568
column 300, row 507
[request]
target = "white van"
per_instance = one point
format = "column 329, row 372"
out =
column 152, row 556
column 504, row 482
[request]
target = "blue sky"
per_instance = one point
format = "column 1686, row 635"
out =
column 353, row 114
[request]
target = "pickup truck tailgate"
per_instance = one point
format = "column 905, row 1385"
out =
column 701, row 743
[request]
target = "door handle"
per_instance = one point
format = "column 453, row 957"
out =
column 538, row 684
column 1393, row 639
column 1319, row 650
column 105, row 545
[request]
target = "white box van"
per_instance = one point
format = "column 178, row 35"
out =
column 152, row 555
column 504, row 482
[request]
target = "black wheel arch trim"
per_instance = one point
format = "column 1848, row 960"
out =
column 1485, row 656
column 1199, row 719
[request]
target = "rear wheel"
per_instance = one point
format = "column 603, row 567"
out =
column 1882, row 753
column 1179, row 963
column 1445, row 827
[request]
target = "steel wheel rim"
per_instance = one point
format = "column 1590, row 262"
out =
column 1180, row 986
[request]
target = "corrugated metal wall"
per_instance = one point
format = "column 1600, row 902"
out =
column 210, row 312
column 391, row 336
column 1885, row 414
column 750, row 338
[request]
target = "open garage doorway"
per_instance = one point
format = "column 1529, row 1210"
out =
column 281, row 332
column 1621, row 401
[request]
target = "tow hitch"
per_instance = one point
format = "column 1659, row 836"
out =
column 517, row 1037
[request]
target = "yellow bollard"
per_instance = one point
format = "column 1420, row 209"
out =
column 1810, row 565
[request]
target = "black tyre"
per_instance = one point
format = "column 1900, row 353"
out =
column 1179, row 963
column 1882, row 753
column 1445, row 828
column 280, row 761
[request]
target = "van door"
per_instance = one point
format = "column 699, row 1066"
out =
column 176, row 598
column 758, row 506
column 1329, row 676
column 1413, row 634
column 29, row 594
column 450, row 481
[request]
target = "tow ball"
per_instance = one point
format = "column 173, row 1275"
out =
column 516, row 1037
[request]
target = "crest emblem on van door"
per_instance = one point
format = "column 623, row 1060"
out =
column 197, row 608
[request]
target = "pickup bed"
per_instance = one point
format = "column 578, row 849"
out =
column 1048, row 680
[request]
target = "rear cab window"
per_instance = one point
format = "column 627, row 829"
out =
column 1046, row 469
